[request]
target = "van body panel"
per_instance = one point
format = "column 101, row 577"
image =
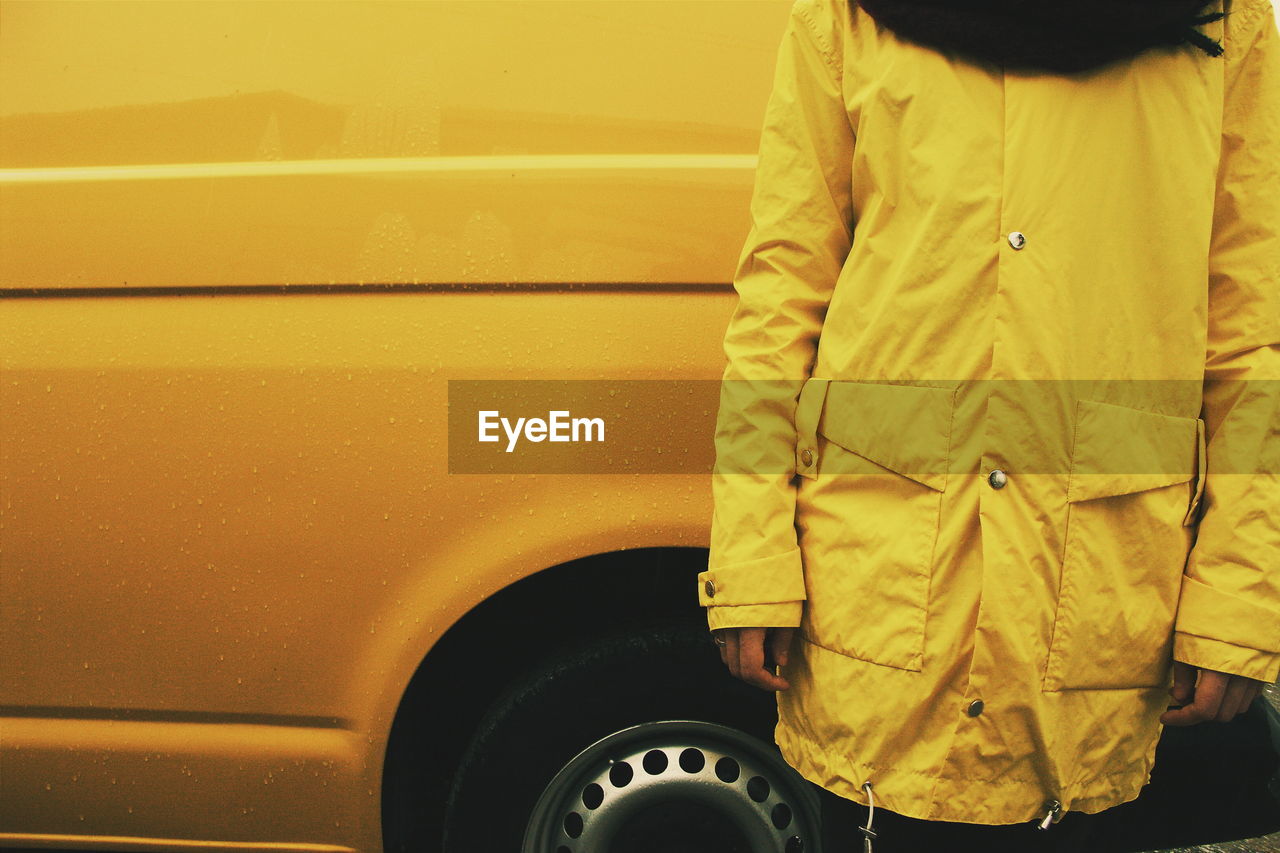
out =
column 244, row 248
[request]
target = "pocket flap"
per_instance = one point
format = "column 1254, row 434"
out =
column 905, row 428
column 1119, row 450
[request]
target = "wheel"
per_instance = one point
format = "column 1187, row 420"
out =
column 673, row 785
column 631, row 743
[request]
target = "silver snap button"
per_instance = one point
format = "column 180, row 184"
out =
column 975, row 707
column 710, row 588
column 806, row 456
column 1017, row 239
column 997, row 479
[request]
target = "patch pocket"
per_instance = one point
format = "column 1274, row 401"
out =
column 868, row 518
column 1132, row 493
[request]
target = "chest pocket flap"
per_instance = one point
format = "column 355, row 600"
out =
column 1119, row 450
column 904, row 428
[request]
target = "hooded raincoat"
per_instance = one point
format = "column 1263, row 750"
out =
column 1000, row 430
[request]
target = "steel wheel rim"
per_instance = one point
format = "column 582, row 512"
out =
column 603, row 790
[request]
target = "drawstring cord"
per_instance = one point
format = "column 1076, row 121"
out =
column 1054, row 814
column 867, row 833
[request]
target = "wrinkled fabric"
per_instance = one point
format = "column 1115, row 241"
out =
column 1073, row 279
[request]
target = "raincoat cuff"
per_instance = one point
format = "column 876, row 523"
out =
column 1226, row 657
column 768, row 580
column 1213, row 614
column 785, row 615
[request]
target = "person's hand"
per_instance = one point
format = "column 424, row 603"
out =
column 752, row 653
column 1214, row 696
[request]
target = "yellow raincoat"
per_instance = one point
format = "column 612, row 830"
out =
column 1000, row 431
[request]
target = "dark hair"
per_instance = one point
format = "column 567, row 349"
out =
column 1064, row 36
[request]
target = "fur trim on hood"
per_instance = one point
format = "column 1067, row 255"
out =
column 1060, row 37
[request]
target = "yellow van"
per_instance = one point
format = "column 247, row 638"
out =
column 278, row 569
column 256, row 595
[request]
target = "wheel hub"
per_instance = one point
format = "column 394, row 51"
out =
column 674, row 786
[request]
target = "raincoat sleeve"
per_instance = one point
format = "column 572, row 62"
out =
column 1229, row 610
column 801, row 232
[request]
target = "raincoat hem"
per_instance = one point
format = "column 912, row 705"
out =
column 929, row 796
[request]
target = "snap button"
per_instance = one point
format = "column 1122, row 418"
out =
column 997, row 479
column 806, row 456
column 975, row 707
column 1017, row 239
column 710, row 588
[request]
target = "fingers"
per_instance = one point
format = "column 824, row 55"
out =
column 718, row 637
column 1205, row 704
column 730, row 651
column 1241, row 693
column 1216, row 696
column 1233, row 701
column 1184, row 682
column 779, row 646
column 744, row 654
column 751, row 662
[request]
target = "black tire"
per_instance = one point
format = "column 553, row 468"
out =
column 585, row 693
